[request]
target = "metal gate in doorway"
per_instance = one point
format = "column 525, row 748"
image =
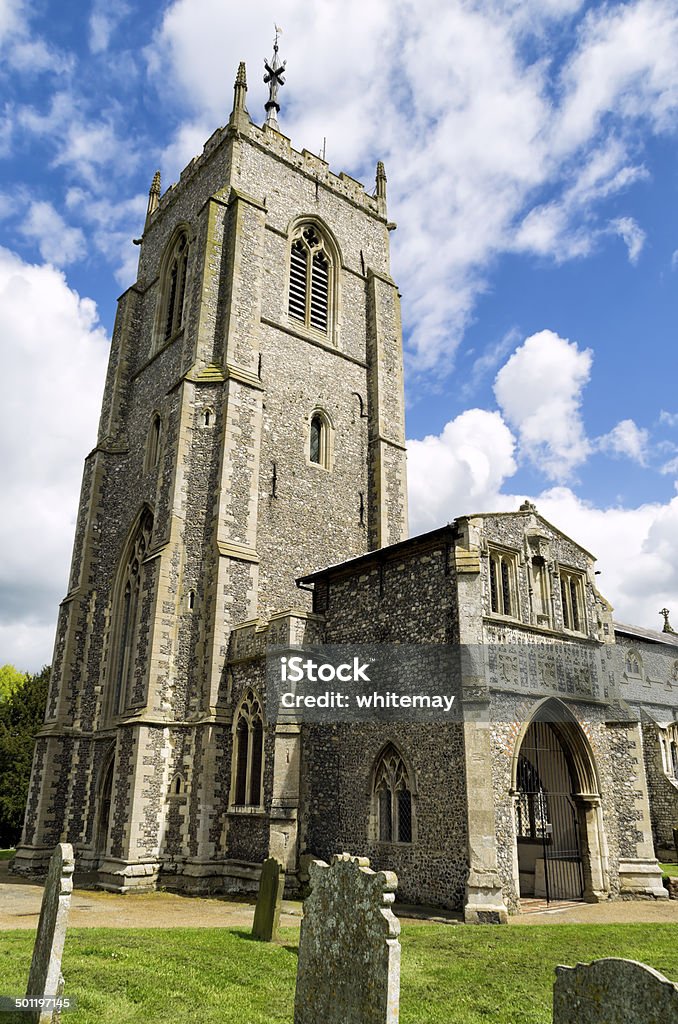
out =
column 547, row 824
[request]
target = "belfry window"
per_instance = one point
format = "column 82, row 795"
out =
column 174, row 290
column 503, row 597
column 310, row 279
column 127, row 618
column 393, row 799
column 248, row 753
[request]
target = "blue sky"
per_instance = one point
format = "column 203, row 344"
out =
column 531, row 154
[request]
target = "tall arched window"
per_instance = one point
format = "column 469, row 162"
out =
column 393, row 798
column 248, row 753
column 127, row 616
column 174, row 288
column 320, row 440
column 310, row 298
column 153, row 443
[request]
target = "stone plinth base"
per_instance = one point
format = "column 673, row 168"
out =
column 641, row 878
column 127, row 876
column 484, row 905
column 31, row 860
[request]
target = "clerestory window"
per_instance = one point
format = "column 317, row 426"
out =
column 248, row 753
column 393, row 799
column 310, row 296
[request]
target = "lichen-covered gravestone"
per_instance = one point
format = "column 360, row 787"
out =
column 45, row 978
column 269, row 900
column 613, row 991
column 349, row 954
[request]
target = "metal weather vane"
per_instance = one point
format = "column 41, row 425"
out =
column 274, row 79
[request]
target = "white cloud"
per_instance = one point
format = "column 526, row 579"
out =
column 57, row 242
column 632, row 235
column 47, row 424
column 628, row 439
column 644, row 578
column 472, row 457
column 539, row 392
column 669, row 418
column 487, row 150
column 21, row 50
column 103, row 22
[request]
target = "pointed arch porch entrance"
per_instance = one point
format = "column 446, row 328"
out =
column 558, row 823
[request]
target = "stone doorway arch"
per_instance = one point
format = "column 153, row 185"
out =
column 559, row 840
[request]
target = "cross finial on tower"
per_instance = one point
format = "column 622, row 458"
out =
column 667, row 625
column 274, row 79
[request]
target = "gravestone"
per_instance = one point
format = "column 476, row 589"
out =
column 349, row 953
column 269, row 900
column 45, row 978
column 613, row 991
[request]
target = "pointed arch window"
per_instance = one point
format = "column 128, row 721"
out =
column 310, row 287
column 153, row 444
column 248, row 753
column 174, row 289
column 392, row 799
column 127, row 618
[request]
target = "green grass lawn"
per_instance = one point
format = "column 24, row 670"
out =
column 7, row 854
column 669, row 869
column 450, row 974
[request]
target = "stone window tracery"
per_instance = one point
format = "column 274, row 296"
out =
column 503, row 583
column 634, row 665
column 127, row 617
column 248, row 753
column 393, row 799
column 174, row 289
column 310, row 285
column 572, row 598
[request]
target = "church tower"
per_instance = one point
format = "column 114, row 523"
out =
column 252, row 432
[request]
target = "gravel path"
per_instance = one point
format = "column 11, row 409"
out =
column 20, row 908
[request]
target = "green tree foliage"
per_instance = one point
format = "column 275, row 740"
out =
column 10, row 679
column 22, row 713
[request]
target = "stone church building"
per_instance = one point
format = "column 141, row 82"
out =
column 252, row 434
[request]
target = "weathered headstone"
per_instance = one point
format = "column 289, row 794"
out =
column 45, row 978
column 613, row 991
column 349, row 953
column 269, row 900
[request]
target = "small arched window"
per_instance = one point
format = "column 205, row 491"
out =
column 248, row 753
column 153, row 444
column 310, row 298
column 392, row 798
column 634, row 665
column 174, row 288
column 319, row 440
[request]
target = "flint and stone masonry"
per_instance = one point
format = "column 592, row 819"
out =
column 252, row 434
